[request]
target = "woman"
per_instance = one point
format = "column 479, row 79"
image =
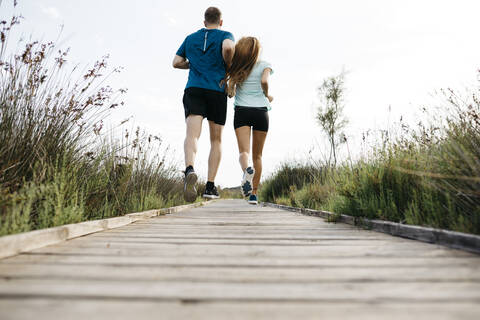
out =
column 247, row 80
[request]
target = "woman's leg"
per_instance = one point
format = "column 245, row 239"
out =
column 243, row 139
column 257, row 149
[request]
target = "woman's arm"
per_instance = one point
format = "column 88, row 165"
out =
column 264, row 83
column 228, row 49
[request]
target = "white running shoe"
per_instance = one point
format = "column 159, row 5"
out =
column 247, row 181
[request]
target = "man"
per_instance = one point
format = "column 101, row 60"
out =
column 207, row 53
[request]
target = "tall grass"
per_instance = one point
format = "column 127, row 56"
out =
column 428, row 175
column 290, row 177
column 57, row 164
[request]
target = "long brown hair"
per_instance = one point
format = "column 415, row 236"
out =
column 246, row 54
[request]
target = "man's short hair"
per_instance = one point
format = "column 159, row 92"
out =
column 213, row 15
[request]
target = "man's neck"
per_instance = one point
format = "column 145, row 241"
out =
column 210, row 27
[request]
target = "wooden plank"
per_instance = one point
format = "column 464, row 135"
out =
column 251, row 260
column 324, row 248
column 250, row 291
column 240, row 274
column 317, row 248
column 118, row 243
column 217, row 232
column 47, row 309
column 249, row 240
column 254, row 235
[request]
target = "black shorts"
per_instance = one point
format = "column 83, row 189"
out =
column 210, row 104
column 257, row 118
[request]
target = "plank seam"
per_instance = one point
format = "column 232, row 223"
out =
column 240, row 299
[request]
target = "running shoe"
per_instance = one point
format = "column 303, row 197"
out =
column 247, row 181
column 253, row 199
column 189, row 188
column 211, row 193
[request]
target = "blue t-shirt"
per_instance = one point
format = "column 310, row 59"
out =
column 250, row 92
column 203, row 49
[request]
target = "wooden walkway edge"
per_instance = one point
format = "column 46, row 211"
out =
column 452, row 239
column 23, row 242
column 228, row 259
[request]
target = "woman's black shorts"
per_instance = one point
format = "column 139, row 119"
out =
column 257, row 118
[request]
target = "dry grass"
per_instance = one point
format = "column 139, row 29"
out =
column 57, row 163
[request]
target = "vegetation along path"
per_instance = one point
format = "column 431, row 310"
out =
column 231, row 259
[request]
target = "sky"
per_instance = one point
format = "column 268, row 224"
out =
column 396, row 53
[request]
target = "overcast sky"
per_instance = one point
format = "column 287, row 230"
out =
column 396, row 52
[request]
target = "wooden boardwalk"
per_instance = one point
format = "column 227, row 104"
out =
column 232, row 260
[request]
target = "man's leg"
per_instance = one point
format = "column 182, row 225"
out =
column 194, row 129
column 216, row 115
column 215, row 149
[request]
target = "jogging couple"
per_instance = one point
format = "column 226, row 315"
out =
column 218, row 68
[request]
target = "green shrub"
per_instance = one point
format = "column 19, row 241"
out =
column 429, row 175
column 288, row 176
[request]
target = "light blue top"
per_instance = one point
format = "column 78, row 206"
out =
column 250, row 93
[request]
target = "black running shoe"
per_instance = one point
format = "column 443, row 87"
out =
column 253, row 199
column 211, row 193
column 189, row 189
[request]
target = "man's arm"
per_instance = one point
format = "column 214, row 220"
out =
column 228, row 49
column 264, row 83
column 180, row 62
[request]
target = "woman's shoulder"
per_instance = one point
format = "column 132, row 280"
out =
column 263, row 64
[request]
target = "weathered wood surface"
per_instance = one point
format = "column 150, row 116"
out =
column 230, row 259
column 14, row 244
column 452, row 239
